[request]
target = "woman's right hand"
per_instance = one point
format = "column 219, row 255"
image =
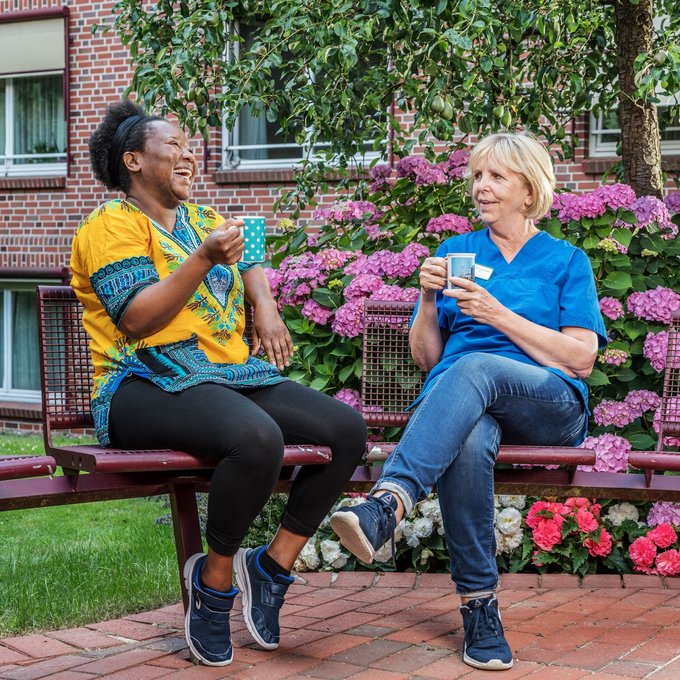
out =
column 433, row 275
column 225, row 244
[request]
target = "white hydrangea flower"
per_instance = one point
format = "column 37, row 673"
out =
column 509, row 520
column 351, row 501
column 618, row 513
column 506, row 543
column 384, row 554
column 512, row 501
column 339, row 562
column 496, row 501
column 430, row 508
column 411, row 539
column 423, row 527
column 330, row 550
column 399, row 531
column 309, row 556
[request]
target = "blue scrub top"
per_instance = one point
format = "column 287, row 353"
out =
column 549, row 282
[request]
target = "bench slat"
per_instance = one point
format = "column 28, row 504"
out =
column 17, row 467
column 95, row 459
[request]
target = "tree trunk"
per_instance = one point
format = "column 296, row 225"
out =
column 640, row 136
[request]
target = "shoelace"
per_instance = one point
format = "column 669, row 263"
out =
column 484, row 623
column 386, row 508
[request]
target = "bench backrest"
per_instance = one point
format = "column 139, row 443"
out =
column 391, row 381
column 65, row 363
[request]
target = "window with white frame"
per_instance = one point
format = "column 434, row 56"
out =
column 32, row 103
column 19, row 357
column 605, row 133
column 256, row 142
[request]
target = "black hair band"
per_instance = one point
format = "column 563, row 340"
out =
column 120, row 137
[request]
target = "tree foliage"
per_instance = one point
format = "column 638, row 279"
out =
column 472, row 66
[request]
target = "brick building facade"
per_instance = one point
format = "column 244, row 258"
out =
column 56, row 75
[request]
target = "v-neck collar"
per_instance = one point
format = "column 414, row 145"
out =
column 519, row 255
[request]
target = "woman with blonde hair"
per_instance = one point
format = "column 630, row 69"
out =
column 507, row 355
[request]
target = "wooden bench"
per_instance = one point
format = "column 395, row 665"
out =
column 390, row 383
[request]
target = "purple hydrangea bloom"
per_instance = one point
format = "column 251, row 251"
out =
column 655, row 349
column 616, row 196
column 316, row 312
column 611, row 453
column 657, row 304
column 350, row 397
column 358, row 266
column 349, row 211
column 397, row 293
column 431, row 175
column 363, row 285
column 611, row 308
column 349, row 319
column 664, row 512
column 448, row 223
column 672, row 201
column 410, row 166
column 651, row 212
column 622, row 413
column 275, row 279
column 614, row 357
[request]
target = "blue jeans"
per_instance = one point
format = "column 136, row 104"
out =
column 452, row 441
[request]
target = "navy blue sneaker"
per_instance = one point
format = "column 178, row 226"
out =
column 206, row 624
column 364, row 529
column 485, row 645
column 262, row 597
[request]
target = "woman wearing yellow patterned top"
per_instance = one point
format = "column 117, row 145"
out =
column 164, row 292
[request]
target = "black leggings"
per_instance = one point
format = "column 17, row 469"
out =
column 245, row 431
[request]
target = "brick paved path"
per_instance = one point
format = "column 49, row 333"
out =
column 391, row 627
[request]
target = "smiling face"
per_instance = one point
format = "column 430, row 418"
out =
column 165, row 168
column 500, row 195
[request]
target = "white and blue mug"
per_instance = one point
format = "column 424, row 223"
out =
column 253, row 237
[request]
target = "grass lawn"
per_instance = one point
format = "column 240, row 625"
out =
column 76, row 564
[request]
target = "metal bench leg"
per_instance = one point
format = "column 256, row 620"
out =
column 186, row 527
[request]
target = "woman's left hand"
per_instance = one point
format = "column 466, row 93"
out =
column 475, row 301
column 271, row 334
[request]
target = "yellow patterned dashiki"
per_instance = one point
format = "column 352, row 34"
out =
column 117, row 252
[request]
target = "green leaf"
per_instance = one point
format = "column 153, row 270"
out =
column 642, row 441
column 327, row 297
column 597, row 377
column 618, row 281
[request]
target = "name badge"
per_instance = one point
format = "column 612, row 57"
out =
column 482, row 272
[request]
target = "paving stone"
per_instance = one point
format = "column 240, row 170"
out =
column 84, row 638
column 38, row 646
column 43, row 668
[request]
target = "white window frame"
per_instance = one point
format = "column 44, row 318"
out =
column 8, row 168
column 7, row 287
column 231, row 158
column 598, row 148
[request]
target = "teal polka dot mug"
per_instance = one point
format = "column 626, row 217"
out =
column 253, row 237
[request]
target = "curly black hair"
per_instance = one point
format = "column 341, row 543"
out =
column 101, row 139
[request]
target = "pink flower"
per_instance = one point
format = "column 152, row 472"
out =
column 611, row 453
column 275, row 279
column 362, row 286
column 652, row 214
column 349, row 319
column 547, row 535
column 611, row 308
column 672, row 201
column 663, row 535
column 664, row 512
column 668, row 563
column 656, row 348
column 601, row 547
column 642, row 551
column 657, row 304
column 316, row 312
column 586, row 521
column 410, row 166
column 545, row 510
column 614, row 357
column 350, row 397
column 448, row 223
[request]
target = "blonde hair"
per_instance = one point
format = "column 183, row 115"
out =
column 522, row 153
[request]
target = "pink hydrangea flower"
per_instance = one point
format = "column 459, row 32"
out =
column 349, row 319
column 622, row 413
column 657, row 304
column 611, row 308
column 614, row 357
column 316, row 312
column 617, row 196
column 448, row 223
column 653, row 214
column 602, row 547
column 358, row 266
column 410, row 166
column 663, row 535
column 655, row 349
column 642, row 551
column 362, row 286
column 275, row 279
column 668, row 563
column 350, row 397
column 672, row 201
column 664, row 512
column 611, row 453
